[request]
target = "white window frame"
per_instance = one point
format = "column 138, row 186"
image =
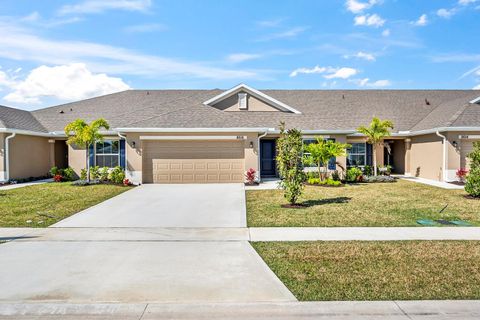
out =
column 304, row 154
column 108, row 154
column 358, row 154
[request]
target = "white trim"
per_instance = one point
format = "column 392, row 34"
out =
column 468, row 137
column 3, row 176
column 95, row 154
column 26, row 132
column 253, row 92
column 193, row 138
column 7, row 155
column 476, row 100
column 444, row 156
column 192, row 130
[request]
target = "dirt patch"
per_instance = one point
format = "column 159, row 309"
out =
column 294, row 206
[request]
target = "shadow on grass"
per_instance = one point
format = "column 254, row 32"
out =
column 319, row 202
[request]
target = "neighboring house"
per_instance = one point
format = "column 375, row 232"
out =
column 197, row 136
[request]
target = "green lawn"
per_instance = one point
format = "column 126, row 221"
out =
column 49, row 203
column 374, row 204
column 403, row 270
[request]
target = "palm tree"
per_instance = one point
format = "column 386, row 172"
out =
column 322, row 151
column 375, row 133
column 84, row 135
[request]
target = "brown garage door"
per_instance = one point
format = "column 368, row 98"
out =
column 466, row 148
column 193, row 161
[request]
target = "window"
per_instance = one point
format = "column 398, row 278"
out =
column 357, row 155
column 306, row 142
column 107, row 153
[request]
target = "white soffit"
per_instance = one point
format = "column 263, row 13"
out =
column 258, row 94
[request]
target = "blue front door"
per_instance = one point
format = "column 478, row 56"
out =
column 267, row 158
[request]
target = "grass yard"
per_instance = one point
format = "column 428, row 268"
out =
column 373, row 205
column 402, row 270
column 49, row 203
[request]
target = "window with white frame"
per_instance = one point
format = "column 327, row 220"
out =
column 306, row 142
column 107, row 153
column 357, row 155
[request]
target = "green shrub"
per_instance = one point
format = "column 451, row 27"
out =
column 354, row 174
column 95, row 172
column 83, row 174
column 104, row 172
column 54, row 171
column 472, row 185
column 313, row 180
column 336, row 176
column 368, row 171
column 117, row 175
column 331, row 182
column 68, row 174
column 290, row 163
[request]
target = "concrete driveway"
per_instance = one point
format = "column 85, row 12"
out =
column 175, row 205
column 155, row 243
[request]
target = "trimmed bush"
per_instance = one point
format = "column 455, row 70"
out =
column 472, row 186
column 354, row 174
column 117, row 175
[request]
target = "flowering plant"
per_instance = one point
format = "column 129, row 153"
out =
column 250, row 176
column 462, row 173
column 57, row 178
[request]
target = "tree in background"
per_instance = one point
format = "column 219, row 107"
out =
column 375, row 133
column 290, row 163
column 82, row 134
column 322, row 151
column 473, row 178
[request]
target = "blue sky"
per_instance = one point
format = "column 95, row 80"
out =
column 58, row 51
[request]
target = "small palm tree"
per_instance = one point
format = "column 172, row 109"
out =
column 84, row 135
column 322, row 151
column 376, row 132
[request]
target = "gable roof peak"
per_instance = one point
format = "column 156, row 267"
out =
column 254, row 92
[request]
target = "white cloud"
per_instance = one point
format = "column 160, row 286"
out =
column 22, row 45
column 328, row 72
column 446, row 13
column 99, row 6
column 466, row 2
column 361, row 55
column 356, row 6
column 342, row 73
column 66, row 82
column 241, row 57
column 477, row 87
column 290, row 33
column 148, row 27
column 376, row 84
column 422, row 21
column 386, row 32
column 373, row 20
column 316, row 69
column 270, row 23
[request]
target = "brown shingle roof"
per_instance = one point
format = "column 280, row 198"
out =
column 321, row 109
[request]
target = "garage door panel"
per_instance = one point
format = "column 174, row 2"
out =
column 193, row 161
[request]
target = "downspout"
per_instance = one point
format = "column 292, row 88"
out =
column 7, row 156
column 126, row 159
column 258, row 157
column 444, row 173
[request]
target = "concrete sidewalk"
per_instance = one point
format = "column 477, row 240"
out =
column 365, row 234
column 344, row 310
column 25, row 184
column 240, row 234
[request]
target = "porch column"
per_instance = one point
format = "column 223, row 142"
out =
column 408, row 146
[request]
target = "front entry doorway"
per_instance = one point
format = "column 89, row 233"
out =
column 268, row 154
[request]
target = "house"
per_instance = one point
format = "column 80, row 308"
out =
column 201, row 136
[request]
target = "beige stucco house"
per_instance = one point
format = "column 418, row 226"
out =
column 202, row 136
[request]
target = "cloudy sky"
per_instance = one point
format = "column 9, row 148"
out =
column 53, row 52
